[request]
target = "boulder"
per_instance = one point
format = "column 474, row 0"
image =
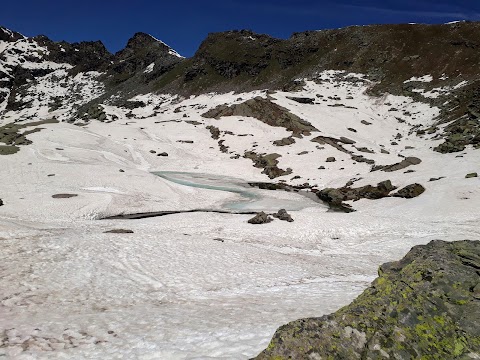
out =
column 285, row 141
column 331, row 159
column 425, row 306
column 302, row 100
column 471, row 175
column 119, row 231
column 1, row 202
column 63, row 196
column 335, row 197
column 410, row 191
column 409, row 161
column 283, row 215
column 260, row 218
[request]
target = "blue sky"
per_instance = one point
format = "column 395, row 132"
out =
column 184, row 24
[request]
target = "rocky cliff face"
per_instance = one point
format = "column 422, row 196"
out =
column 426, row 306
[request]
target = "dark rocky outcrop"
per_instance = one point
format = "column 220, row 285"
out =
column 302, row 100
column 265, row 111
column 464, row 113
column 336, row 143
column 410, row 191
column 260, row 218
column 1, row 202
column 268, row 162
column 83, row 56
column 214, row 131
column 471, row 175
column 282, row 214
column 8, row 35
column 425, row 306
column 285, row 141
column 14, row 135
column 409, row 161
column 336, row 197
column 141, row 51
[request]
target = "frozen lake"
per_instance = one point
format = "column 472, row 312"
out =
column 246, row 197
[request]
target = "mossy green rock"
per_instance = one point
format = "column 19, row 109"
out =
column 425, row 306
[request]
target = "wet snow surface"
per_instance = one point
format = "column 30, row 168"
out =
column 207, row 285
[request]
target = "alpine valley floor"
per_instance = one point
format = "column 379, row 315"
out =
column 207, row 285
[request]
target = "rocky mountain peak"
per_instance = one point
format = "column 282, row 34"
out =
column 9, row 35
column 145, row 42
column 141, row 52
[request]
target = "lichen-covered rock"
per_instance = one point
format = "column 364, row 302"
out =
column 425, row 306
column 260, row 218
column 410, row 191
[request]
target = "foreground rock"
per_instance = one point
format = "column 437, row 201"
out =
column 260, row 218
column 282, row 214
column 426, row 305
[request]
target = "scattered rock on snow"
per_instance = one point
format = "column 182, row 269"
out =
column 471, row 175
column 260, row 218
column 302, row 100
column 119, row 231
column 285, row 141
column 282, row 214
column 63, row 196
column 409, row 161
column 410, row 191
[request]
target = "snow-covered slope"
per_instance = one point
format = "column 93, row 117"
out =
column 203, row 285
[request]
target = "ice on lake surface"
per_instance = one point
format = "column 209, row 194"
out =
column 247, row 198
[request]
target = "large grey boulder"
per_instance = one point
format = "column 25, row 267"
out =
column 425, row 306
